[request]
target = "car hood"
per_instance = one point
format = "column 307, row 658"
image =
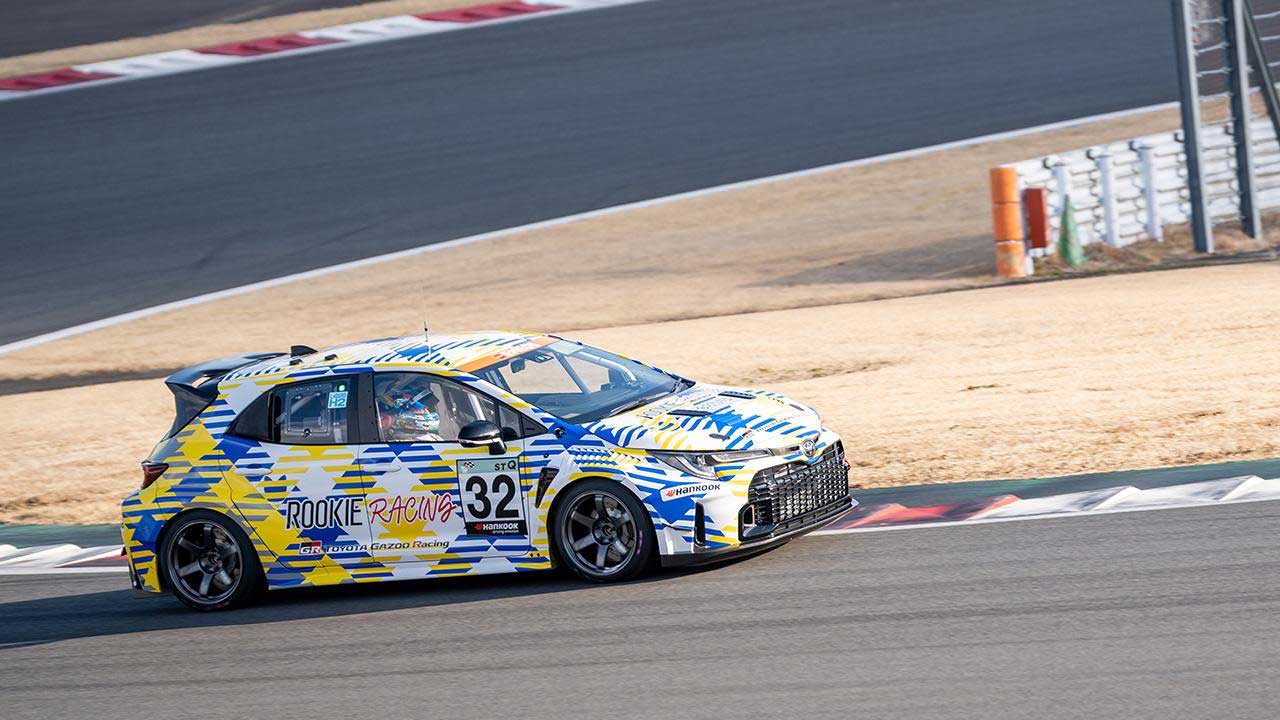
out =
column 712, row 417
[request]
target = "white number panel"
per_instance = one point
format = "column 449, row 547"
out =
column 492, row 499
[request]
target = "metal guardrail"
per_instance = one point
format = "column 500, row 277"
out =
column 1221, row 50
column 1128, row 191
column 1200, row 175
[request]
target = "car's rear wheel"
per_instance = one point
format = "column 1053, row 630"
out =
column 602, row 532
column 209, row 563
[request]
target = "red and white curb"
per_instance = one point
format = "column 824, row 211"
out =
column 70, row 559
column 328, row 38
column 61, row 559
column 1005, row 508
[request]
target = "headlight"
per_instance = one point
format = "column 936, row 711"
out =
column 731, row 456
column 702, row 465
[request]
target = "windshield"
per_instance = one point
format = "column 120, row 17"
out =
column 579, row 383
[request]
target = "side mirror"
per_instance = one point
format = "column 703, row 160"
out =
column 481, row 433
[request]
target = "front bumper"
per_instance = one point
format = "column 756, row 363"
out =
column 794, row 528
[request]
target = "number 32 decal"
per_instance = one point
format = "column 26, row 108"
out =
column 481, row 488
column 492, row 499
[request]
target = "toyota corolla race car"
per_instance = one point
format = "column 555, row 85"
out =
column 476, row 453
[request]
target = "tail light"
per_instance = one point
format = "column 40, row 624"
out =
column 151, row 471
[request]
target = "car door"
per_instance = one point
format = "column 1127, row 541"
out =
column 295, row 449
column 430, row 499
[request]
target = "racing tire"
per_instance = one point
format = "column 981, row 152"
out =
column 209, row 563
column 602, row 532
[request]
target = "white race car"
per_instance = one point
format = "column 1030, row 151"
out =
column 473, row 453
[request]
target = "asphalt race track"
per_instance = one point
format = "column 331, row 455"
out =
column 1154, row 614
column 125, row 196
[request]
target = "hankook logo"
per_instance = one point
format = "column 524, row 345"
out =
column 680, row 491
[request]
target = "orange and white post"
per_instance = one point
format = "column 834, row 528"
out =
column 1006, row 216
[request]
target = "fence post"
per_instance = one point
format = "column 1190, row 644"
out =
column 1006, row 217
column 1185, row 51
column 1062, row 179
column 1260, row 66
column 1111, row 227
column 1238, row 74
column 1150, row 192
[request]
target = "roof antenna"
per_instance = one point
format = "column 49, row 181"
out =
column 426, row 334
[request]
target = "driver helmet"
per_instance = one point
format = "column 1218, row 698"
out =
column 412, row 413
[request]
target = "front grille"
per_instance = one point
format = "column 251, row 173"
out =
column 780, row 494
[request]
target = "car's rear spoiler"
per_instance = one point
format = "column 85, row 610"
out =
column 199, row 382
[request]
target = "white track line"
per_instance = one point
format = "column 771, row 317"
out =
column 411, row 252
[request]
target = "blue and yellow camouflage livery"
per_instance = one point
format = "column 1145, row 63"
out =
column 359, row 509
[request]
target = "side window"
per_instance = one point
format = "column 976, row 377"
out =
column 418, row 407
column 254, row 422
column 313, row 413
column 529, row 428
column 513, row 424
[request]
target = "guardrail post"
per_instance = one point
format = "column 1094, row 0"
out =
column 1185, row 52
column 1006, row 219
column 1150, row 193
column 1106, row 182
column 1061, row 179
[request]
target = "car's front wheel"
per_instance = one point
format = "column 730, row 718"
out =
column 602, row 532
column 209, row 563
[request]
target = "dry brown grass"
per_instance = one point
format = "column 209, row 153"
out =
column 1176, row 249
column 1100, row 373
column 218, row 34
column 1095, row 374
column 1105, row 373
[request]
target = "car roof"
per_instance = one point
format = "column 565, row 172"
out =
column 466, row 351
